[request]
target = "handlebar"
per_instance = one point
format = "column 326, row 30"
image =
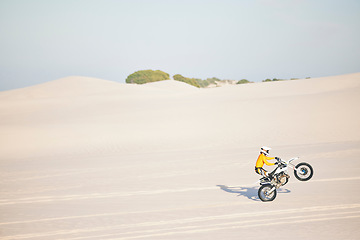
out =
column 293, row 159
column 289, row 161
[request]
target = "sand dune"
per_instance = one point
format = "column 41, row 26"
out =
column 172, row 85
column 71, row 87
column 99, row 114
column 78, row 86
column 86, row 158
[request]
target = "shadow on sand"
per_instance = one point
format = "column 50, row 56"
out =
column 249, row 192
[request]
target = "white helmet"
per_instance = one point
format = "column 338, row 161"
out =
column 265, row 150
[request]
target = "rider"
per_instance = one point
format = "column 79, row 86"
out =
column 263, row 157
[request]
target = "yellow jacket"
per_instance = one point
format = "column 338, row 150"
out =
column 263, row 159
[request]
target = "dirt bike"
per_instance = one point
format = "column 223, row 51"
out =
column 279, row 177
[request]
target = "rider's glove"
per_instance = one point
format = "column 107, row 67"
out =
column 277, row 158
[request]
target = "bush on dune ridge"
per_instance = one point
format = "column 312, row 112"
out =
column 243, row 81
column 192, row 81
column 147, row 76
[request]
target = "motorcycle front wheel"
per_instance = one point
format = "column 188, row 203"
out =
column 264, row 194
column 303, row 171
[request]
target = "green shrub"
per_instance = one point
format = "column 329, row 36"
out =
column 192, row 81
column 273, row 80
column 146, row 76
column 243, row 81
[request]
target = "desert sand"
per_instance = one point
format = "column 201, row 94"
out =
column 86, row 158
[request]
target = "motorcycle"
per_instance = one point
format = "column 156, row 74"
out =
column 279, row 177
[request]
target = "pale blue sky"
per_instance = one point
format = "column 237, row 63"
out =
column 43, row 40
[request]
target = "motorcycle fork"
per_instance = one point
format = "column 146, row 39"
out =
column 272, row 189
column 295, row 169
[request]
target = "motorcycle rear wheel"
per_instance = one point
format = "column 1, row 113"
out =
column 303, row 171
column 264, row 194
